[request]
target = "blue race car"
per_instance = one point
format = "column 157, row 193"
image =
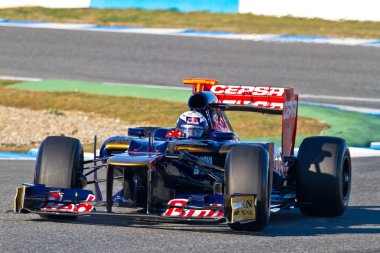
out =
column 197, row 171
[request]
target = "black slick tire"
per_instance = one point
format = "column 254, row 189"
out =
column 247, row 172
column 323, row 176
column 59, row 162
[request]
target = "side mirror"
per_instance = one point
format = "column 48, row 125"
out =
column 223, row 135
column 139, row 132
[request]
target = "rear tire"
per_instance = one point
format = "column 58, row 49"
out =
column 247, row 172
column 323, row 176
column 59, row 162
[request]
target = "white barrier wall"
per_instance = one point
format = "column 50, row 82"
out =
column 45, row 3
column 325, row 9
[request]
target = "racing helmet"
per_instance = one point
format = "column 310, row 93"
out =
column 193, row 124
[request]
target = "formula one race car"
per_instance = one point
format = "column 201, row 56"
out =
column 197, row 171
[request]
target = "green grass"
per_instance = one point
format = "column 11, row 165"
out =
column 7, row 82
column 358, row 129
column 141, row 111
column 245, row 124
column 241, row 23
column 130, row 90
column 18, row 148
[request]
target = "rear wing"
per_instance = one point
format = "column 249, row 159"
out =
column 271, row 100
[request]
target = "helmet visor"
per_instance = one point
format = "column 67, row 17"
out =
column 192, row 132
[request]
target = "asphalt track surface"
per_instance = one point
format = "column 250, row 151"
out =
column 344, row 71
column 358, row 230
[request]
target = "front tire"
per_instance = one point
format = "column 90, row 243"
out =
column 59, row 162
column 247, row 172
column 323, row 176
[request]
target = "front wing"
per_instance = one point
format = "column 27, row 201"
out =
column 48, row 201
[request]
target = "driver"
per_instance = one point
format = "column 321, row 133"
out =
column 193, row 124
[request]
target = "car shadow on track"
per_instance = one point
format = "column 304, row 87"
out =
column 356, row 220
